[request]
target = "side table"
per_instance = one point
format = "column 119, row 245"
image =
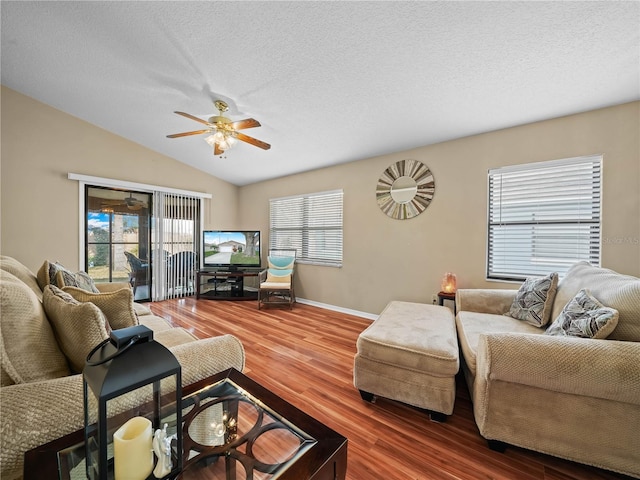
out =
column 442, row 296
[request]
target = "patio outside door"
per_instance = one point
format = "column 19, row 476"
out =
column 118, row 239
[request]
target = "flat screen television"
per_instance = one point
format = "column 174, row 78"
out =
column 232, row 249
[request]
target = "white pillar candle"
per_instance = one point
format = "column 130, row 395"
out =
column 132, row 450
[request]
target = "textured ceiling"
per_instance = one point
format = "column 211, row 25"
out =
column 331, row 82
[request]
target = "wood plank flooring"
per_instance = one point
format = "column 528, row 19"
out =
column 305, row 355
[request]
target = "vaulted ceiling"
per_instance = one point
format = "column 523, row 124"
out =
column 330, row 82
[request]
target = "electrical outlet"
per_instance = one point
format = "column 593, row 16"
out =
column 434, row 298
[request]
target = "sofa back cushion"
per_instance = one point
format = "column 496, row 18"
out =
column 612, row 289
column 22, row 273
column 28, row 345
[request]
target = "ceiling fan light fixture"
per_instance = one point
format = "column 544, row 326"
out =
column 222, row 133
column 211, row 140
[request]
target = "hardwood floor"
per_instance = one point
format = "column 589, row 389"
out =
column 306, row 356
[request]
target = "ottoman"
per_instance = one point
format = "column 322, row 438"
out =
column 410, row 354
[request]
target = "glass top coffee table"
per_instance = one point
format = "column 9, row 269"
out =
column 233, row 428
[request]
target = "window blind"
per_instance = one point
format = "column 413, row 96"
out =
column 176, row 244
column 543, row 217
column 311, row 223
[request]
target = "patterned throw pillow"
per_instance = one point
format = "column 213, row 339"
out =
column 56, row 274
column 585, row 317
column 65, row 278
column 534, row 300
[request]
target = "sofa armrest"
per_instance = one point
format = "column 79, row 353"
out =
column 604, row 369
column 39, row 412
column 203, row 358
column 111, row 287
column 484, row 300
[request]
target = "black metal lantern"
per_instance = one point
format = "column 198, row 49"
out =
column 138, row 388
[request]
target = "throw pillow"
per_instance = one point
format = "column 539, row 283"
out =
column 278, row 262
column 584, row 316
column 279, row 276
column 78, row 326
column 65, row 278
column 47, row 274
column 28, row 347
column 117, row 306
column 534, row 300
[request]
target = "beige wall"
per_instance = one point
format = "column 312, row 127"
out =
column 384, row 259
column 39, row 205
column 387, row 259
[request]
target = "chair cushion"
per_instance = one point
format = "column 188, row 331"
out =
column 28, row 345
column 117, row 306
column 585, row 317
column 275, row 285
column 78, row 326
column 612, row 289
column 471, row 325
column 534, row 300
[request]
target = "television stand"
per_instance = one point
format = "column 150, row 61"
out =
column 228, row 284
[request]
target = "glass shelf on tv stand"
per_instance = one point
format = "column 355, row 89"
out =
column 225, row 284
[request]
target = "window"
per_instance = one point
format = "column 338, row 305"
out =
column 543, row 217
column 312, row 224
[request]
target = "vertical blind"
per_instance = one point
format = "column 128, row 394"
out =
column 311, row 223
column 176, row 244
column 543, row 217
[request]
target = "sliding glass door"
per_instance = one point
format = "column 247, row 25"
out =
column 118, row 239
column 149, row 239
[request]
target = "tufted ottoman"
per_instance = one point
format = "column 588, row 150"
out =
column 410, row 354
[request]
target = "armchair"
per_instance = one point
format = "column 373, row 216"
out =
column 575, row 398
column 139, row 274
column 276, row 283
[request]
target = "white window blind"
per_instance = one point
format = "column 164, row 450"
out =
column 311, row 223
column 543, row 217
column 176, row 244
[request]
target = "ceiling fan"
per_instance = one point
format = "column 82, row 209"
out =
column 223, row 132
column 130, row 202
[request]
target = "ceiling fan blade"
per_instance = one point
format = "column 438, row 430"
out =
column 252, row 141
column 217, row 150
column 246, row 123
column 193, row 117
column 184, row 134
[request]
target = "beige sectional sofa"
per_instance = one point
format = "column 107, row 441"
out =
column 47, row 331
column 575, row 398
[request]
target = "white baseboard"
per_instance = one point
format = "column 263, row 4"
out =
column 348, row 311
